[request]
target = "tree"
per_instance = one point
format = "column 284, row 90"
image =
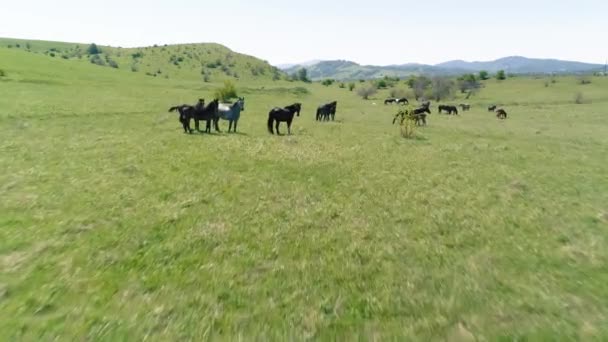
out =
column 303, row 75
column 500, row 75
column 442, row 88
column 483, row 75
column 468, row 84
column 93, row 49
column 366, row 91
column 421, row 84
column 327, row 82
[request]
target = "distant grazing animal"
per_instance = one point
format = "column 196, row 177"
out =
column 501, row 114
column 426, row 104
column 419, row 115
column 324, row 112
column 449, row 109
column 232, row 113
column 286, row 114
column 492, row 108
column 465, row 106
column 388, row 101
column 402, row 100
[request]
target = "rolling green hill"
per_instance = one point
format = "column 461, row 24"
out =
column 206, row 61
column 116, row 226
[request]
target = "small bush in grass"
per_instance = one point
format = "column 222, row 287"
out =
column 327, row 82
column 351, row 86
column 341, row 85
column 113, row 64
column 579, row 98
column 584, row 80
column 2, row 73
column 366, row 91
column 95, row 59
column 226, row 92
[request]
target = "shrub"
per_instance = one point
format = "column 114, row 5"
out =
column 351, row 86
column 381, row 84
column 95, row 59
column 227, row 92
column 398, row 93
column 579, row 98
column 137, row 55
column 366, row 91
column 341, row 85
column 500, row 75
column 206, row 78
column 327, row 82
column 484, row 75
column 113, row 64
column 52, row 54
column 134, row 68
column 2, row 73
column 93, row 49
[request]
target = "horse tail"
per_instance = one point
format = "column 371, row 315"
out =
column 270, row 122
column 173, row 109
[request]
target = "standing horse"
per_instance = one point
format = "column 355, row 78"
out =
column 283, row 115
column 492, row 108
column 449, row 109
column 207, row 113
column 327, row 110
column 419, row 115
column 403, row 100
column 388, row 101
column 232, row 113
column 185, row 114
column 465, row 107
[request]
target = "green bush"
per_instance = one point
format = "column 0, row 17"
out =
column 351, row 86
column 483, row 75
column 227, row 92
column 2, row 73
column 500, row 75
column 93, row 49
column 327, row 82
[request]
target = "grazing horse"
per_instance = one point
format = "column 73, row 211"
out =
column 388, row 101
column 185, row 114
column 232, row 113
column 283, row 115
column 327, row 110
column 426, row 104
column 419, row 115
column 402, row 100
column 449, row 109
column 501, row 114
column 465, row 106
column 492, row 108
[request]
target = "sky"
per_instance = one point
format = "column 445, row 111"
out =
column 378, row 32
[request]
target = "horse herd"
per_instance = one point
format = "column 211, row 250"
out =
column 214, row 111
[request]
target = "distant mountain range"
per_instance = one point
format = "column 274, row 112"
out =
column 347, row 70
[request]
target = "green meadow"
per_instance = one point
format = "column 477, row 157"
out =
column 117, row 226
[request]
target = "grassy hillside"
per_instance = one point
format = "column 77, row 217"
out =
column 186, row 61
column 117, row 226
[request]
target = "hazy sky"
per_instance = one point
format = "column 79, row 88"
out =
column 368, row 32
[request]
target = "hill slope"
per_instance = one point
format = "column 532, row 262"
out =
column 347, row 70
column 186, row 61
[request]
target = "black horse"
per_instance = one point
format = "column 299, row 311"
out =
column 426, row 104
column 465, row 106
column 501, row 114
column 283, row 115
column 186, row 113
column 449, row 109
column 403, row 100
column 389, row 101
column 325, row 111
column 200, row 112
column 419, row 115
column 492, row 108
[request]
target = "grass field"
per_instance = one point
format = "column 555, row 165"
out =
column 117, row 226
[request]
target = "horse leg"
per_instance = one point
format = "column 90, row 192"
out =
column 277, row 127
column 289, row 127
column 196, row 125
column 235, row 122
